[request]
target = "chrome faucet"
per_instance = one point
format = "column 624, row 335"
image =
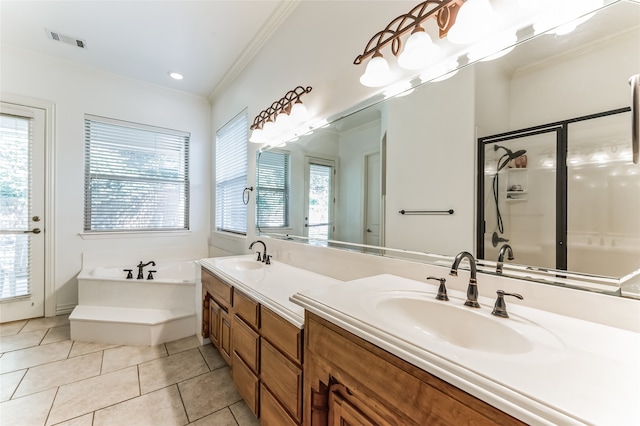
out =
column 265, row 258
column 509, row 250
column 141, row 267
column 472, row 290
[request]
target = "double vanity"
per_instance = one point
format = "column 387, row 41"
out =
column 305, row 348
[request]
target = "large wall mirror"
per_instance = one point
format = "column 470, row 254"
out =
column 449, row 166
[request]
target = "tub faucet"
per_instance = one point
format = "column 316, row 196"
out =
column 141, row 267
column 264, row 257
column 505, row 248
column 472, row 290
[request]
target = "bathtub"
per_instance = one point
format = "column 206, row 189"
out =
column 166, row 273
column 114, row 309
column 172, row 287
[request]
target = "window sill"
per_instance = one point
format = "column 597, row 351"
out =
column 132, row 234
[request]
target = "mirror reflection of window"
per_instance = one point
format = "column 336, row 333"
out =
column 273, row 182
column 320, row 198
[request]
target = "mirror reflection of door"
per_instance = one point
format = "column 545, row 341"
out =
column 372, row 199
column 320, row 197
column 22, row 131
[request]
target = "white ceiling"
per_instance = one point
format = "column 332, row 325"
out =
column 206, row 41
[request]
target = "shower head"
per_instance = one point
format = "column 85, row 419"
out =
column 510, row 155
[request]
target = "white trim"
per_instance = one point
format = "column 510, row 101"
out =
column 50, row 206
column 65, row 309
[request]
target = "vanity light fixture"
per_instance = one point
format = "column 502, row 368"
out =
column 560, row 16
column 282, row 117
column 419, row 50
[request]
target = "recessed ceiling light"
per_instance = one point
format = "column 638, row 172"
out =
column 175, row 75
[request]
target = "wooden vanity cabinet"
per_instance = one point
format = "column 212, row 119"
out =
column 217, row 298
column 349, row 381
column 264, row 350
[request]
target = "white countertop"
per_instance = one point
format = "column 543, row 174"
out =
column 580, row 372
column 271, row 285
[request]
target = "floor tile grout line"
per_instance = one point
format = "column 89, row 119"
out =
column 184, row 407
column 52, row 404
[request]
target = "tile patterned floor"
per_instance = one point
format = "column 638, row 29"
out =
column 48, row 379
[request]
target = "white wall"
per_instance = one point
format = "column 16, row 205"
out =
column 433, row 168
column 77, row 90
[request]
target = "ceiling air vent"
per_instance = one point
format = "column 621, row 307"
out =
column 63, row 38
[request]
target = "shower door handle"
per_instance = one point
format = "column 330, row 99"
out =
column 33, row 231
column 634, row 81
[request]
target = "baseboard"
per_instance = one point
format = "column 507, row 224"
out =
column 65, row 309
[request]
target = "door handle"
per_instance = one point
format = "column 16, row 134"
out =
column 33, row 231
column 369, row 230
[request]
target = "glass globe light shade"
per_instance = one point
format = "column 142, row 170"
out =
column 419, row 51
column 283, row 122
column 299, row 113
column 268, row 130
column 476, row 19
column 377, row 72
column 257, row 136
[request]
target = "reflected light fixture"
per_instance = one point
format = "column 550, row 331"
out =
column 560, row 17
column 475, row 21
column 281, row 118
column 419, row 50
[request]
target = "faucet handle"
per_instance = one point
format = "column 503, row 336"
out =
column 442, row 289
column 267, row 259
column 129, row 273
column 150, row 276
column 500, row 308
column 259, row 259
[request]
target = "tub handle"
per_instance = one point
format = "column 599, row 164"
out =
column 129, row 274
column 150, row 276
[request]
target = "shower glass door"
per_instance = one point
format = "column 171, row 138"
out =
column 604, row 197
column 520, row 197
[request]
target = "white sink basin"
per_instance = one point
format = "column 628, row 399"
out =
column 423, row 317
column 240, row 264
column 458, row 325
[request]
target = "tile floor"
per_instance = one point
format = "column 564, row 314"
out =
column 48, row 379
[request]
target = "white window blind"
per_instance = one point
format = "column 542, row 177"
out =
column 231, row 175
column 273, row 189
column 136, row 177
column 15, row 206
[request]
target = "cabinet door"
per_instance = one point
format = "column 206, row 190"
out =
column 283, row 378
column 247, row 383
column 271, row 412
column 206, row 316
column 225, row 336
column 342, row 413
column 214, row 323
column 246, row 343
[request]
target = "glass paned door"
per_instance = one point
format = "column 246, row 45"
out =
column 320, row 199
column 21, row 208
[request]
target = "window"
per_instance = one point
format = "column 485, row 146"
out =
column 231, row 175
column 273, row 189
column 136, row 177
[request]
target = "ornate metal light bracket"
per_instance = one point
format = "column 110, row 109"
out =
column 282, row 105
column 443, row 11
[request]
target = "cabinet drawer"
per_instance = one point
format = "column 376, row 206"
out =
column 282, row 334
column 220, row 291
column 271, row 412
column 283, row 378
column 246, row 309
column 246, row 382
column 246, row 343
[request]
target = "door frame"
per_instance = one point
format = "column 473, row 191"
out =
column 50, row 306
